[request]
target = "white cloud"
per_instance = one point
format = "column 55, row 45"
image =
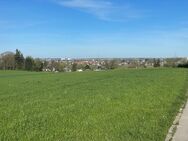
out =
column 103, row 9
column 86, row 4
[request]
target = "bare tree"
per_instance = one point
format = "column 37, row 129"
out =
column 1, row 62
column 8, row 62
column 111, row 64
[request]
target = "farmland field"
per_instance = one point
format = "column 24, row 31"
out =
column 119, row 105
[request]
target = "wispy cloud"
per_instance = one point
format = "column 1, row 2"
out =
column 103, row 9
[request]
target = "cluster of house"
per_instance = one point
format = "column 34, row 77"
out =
column 100, row 64
column 94, row 64
column 81, row 64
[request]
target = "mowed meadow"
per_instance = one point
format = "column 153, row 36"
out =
column 118, row 105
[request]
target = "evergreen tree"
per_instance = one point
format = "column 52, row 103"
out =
column 29, row 63
column 157, row 63
column 19, row 60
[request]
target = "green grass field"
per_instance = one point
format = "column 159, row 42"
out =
column 119, row 105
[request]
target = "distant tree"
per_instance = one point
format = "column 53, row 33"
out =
column 55, row 65
column 1, row 63
column 87, row 67
column 112, row 64
column 38, row 65
column 19, row 60
column 61, row 67
column 157, row 63
column 74, row 67
column 183, row 65
column 8, row 62
column 106, row 64
column 29, row 63
column 80, row 66
column 172, row 62
column 45, row 64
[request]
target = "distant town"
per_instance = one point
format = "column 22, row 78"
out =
column 17, row 61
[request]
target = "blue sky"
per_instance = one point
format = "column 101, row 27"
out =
column 95, row 28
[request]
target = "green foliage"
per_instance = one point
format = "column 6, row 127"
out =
column 38, row 66
column 112, row 64
column 171, row 63
column 29, row 63
column 185, row 65
column 61, row 67
column 19, row 60
column 58, row 66
column 118, row 105
column 74, row 67
column 87, row 67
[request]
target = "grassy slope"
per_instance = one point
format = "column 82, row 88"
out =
column 127, row 105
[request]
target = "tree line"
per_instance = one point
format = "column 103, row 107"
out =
column 17, row 61
column 11, row 61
